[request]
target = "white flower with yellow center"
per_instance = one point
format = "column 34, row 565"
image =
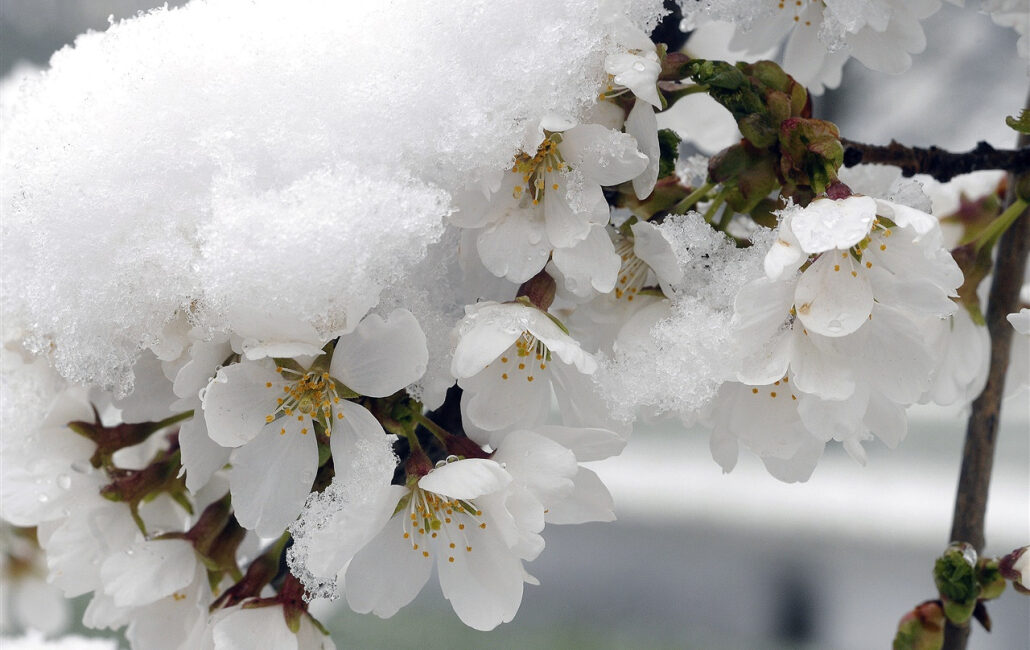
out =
column 647, row 262
column 852, row 330
column 552, row 199
column 475, row 519
column 271, row 413
column 507, row 359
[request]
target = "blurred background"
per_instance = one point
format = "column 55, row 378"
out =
column 699, row 559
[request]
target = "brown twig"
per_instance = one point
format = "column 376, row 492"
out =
column 982, row 429
column 942, row 165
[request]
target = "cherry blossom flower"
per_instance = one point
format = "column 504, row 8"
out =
column 551, row 199
column 508, row 358
column 269, row 413
column 476, row 519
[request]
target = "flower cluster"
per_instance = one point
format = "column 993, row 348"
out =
column 327, row 366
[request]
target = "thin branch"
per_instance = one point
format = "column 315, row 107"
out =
column 942, row 165
column 982, row 429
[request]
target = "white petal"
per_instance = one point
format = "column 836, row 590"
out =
column 586, row 443
column 515, row 247
column 493, row 402
column 479, row 346
column 638, row 73
column 260, row 627
column 591, row 264
column 542, row 466
column 387, row 573
column 565, row 225
column 589, row 501
column 604, row 156
column 349, row 529
column 380, row 357
column 784, row 255
column 818, row 368
column 886, row 419
column 826, row 224
column 832, row 298
column 148, row 571
column 651, row 246
column 466, row 479
column 579, row 400
column 484, row 585
column 643, row 126
column 272, row 475
column 352, row 435
column 201, row 456
column 834, row 419
column 238, row 400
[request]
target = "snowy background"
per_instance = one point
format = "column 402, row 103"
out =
column 702, row 559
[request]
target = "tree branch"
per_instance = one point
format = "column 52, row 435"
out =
column 982, row 429
column 942, row 165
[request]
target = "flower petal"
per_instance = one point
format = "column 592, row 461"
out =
column 832, row 298
column 590, row 264
column 238, row 400
column 380, row 357
column 466, row 479
column 387, row 573
column 826, row 224
column 268, row 501
column 352, row 433
column 643, row 126
column 603, row 155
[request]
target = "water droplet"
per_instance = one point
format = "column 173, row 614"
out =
column 639, row 66
column 64, row 481
column 82, row 467
column 452, row 458
column 42, row 498
column 834, row 326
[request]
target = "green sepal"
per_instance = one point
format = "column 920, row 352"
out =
column 668, row 147
column 1020, row 124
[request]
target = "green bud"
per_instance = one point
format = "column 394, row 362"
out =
column 955, row 575
column 810, row 152
column 988, row 574
column 921, row 629
column 668, row 147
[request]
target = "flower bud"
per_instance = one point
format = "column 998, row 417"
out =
column 954, row 573
column 1016, row 567
column 922, row 628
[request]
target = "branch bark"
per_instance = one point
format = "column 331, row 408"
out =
column 942, row 165
column 982, row 429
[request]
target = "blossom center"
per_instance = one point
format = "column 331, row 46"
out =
column 311, row 395
column 441, row 524
column 540, row 170
column 526, row 358
column 633, row 272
